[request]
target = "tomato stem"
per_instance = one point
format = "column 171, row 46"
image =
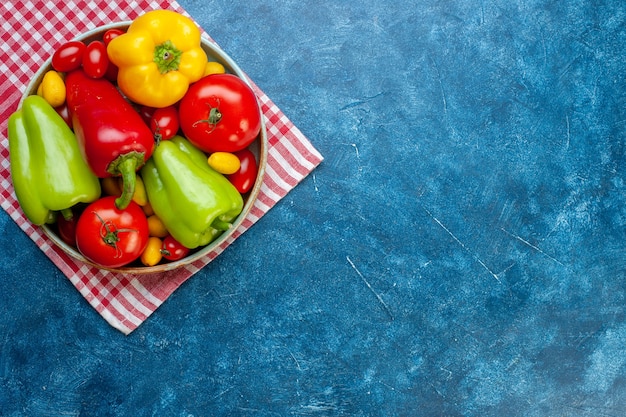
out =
column 157, row 132
column 109, row 233
column 212, row 120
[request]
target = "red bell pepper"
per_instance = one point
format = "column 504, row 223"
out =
column 112, row 136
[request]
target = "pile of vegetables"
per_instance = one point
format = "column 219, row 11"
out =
column 136, row 147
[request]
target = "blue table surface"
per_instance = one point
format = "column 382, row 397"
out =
column 459, row 252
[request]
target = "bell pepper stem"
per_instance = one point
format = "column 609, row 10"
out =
column 126, row 166
column 51, row 218
column 67, row 213
column 219, row 224
column 167, row 57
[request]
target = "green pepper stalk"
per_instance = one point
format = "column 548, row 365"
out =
column 48, row 171
column 195, row 202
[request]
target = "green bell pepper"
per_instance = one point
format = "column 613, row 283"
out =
column 48, row 171
column 194, row 202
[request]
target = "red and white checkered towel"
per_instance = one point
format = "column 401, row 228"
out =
column 31, row 31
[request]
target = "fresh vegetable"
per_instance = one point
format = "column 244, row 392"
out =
column 156, row 227
column 68, row 56
column 244, row 178
column 224, row 162
column 113, row 138
column 146, row 113
column 52, row 88
column 152, row 254
column 95, row 59
column 64, row 112
column 172, row 249
column 67, row 229
column 164, row 123
column 139, row 196
column 111, row 34
column 109, row 236
column 111, row 186
column 158, row 57
column 47, row 169
column 214, row 67
column 194, row 202
column 220, row 112
column 111, row 73
column 147, row 209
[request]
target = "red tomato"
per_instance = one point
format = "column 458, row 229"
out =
column 69, row 56
column 220, row 112
column 64, row 112
column 67, row 229
column 111, row 34
column 111, row 73
column 164, row 123
column 244, row 179
column 109, row 236
column 173, row 250
column 146, row 113
column 95, row 59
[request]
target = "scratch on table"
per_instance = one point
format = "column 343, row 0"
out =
column 457, row 240
column 358, row 156
column 545, row 49
column 378, row 297
column 436, row 390
column 443, row 92
column 568, row 131
column 257, row 410
column 361, row 101
column 581, row 338
column 567, row 67
column 317, row 407
column 387, row 385
column 294, row 359
column 223, row 392
column 598, row 411
column 505, row 270
column 527, row 243
column 482, row 12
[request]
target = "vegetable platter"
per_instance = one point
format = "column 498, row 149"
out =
column 139, row 146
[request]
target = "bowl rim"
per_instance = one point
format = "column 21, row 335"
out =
column 214, row 52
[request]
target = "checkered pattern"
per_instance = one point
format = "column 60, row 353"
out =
column 31, row 31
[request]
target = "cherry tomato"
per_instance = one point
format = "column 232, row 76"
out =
column 146, row 113
column 244, row 179
column 224, row 162
column 111, row 34
column 112, row 71
column 156, row 227
column 172, row 249
column 95, row 59
column 220, row 112
column 67, row 229
column 68, row 56
column 64, row 112
column 111, row 237
column 152, row 254
column 164, row 123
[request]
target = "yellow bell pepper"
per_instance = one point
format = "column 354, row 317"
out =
column 158, row 57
